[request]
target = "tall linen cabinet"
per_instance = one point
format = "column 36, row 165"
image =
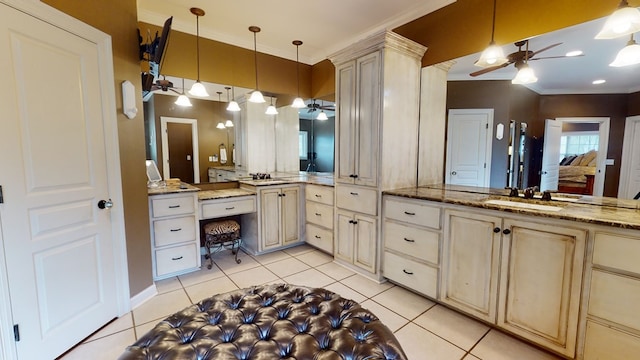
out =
column 377, row 123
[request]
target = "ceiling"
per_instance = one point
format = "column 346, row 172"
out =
column 324, row 28
column 566, row 75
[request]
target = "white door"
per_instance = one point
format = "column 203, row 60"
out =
column 469, row 147
column 630, row 164
column 58, row 245
column 551, row 155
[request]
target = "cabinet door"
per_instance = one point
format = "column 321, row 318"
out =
column 540, row 283
column 343, row 240
column 270, row 216
column 366, row 235
column 290, row 215
column 471, row 263
column 345, row 122
column 367, row 119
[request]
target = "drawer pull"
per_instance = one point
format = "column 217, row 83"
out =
column 409, row 240
column 230, row 208
column 318, row 237
column 174, row 206
column 407, row 272
column 318, row 214
column 318, row 196
column 174, row 230
column 354, row 193
column 178, row 258
column 409, row 213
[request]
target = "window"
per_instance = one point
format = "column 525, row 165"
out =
column 576, row 143
column 303, row 145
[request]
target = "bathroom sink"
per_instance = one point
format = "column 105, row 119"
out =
column 523, row 205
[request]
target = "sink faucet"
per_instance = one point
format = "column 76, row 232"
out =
column 529, row 192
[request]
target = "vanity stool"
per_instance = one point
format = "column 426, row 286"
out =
column 222, row 235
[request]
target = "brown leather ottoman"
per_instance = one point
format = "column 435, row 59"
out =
column 269, row 322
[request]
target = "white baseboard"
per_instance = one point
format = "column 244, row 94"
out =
column 143, row 296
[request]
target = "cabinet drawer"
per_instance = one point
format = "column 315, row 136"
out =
column 357, row 198
column 174, row 231
column 603, row 342
column 617, row 251
column 228, row 207
column 320, row 214
column 414, row 275
column 320, row 238
column 172, row 206
column 615, row 298
column 176, row 259
column 416, row 242
column 414, row 212
column 321, row 194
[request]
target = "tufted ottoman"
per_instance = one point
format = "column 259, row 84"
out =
column 269, row 322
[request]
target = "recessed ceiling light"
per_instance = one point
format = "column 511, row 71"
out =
column 599, row 81
column 574, row 53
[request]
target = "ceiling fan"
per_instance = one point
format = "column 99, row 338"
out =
column 164, row 85
column 520, row 57
column 314, row 106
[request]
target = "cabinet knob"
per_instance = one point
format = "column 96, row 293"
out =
column 506, row 231
column 352, row 222
column 496, row 230
column 454, row 173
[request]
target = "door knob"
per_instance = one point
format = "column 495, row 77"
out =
column 105, row 204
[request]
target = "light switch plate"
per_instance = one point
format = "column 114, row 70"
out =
column 609, row 162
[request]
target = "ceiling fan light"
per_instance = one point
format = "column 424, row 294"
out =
column 624, row 21
column 271, row 110
column 322, row 116
column 228, row 123
column 298, row 103
column 629, row 55
column 198, row 90
column 525, row 75
column 183, row 100
column 233, row 106
column 220, row 125
column 256, row 97
column 491, row 56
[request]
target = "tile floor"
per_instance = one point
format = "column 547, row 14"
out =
column 425, row 330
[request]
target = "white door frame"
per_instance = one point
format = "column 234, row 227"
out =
column 103, row 43
column 625, row 162
column 164, row 120
column 603, row 146
column 488, row 142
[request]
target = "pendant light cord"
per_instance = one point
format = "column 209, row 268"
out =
column 493, row 22
column 255, row 57
column 198, row 45
column 298, row 69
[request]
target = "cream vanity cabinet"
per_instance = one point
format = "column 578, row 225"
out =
column 522, row 273
column 319, row 216
column 277, row 223
column 175, row 235
column 412, row 234
column 613, row 308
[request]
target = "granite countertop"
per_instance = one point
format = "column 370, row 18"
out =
column 172, row 188
column 291, row 178
column 223, row 193
column 588, row 209
column 224, row 167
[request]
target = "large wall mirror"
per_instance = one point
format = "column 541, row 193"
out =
column 197, row 143
column 591, row 114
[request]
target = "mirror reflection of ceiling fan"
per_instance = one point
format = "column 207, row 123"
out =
column 315, row 106
column 520, row 57
column 164, row 85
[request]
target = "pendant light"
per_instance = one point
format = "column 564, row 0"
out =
column 198, row 89
column 256, row 96
column 525, row 74
column 629, row 55
column 322, row 115
column 271, row 110
column 298, row 103
column 228, row 123
column 492, row 55
column 183, row 100
column 624, row 21
column 233, row 105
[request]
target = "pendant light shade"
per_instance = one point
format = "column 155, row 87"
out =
column 271, row 110
column 228, row 123
column 220, row 126
column 198, row 89
column 624, row 21
column 256, row 96
column 322, row 116
column 298, row 103
column 492, row 55
column 233, row 105
column 525, row 75
column 183, row 100
column 629, row 55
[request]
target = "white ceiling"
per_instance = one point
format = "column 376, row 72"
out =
column 566, row 75
column 324, row 27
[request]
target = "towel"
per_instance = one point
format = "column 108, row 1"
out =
column 223, row 156
column 233, row 155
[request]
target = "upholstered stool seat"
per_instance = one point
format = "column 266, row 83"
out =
column 269, row 322
column 219, row 235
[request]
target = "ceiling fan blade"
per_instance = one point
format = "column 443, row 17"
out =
column 489, row 69
column 556, row 57
column 545, row 49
